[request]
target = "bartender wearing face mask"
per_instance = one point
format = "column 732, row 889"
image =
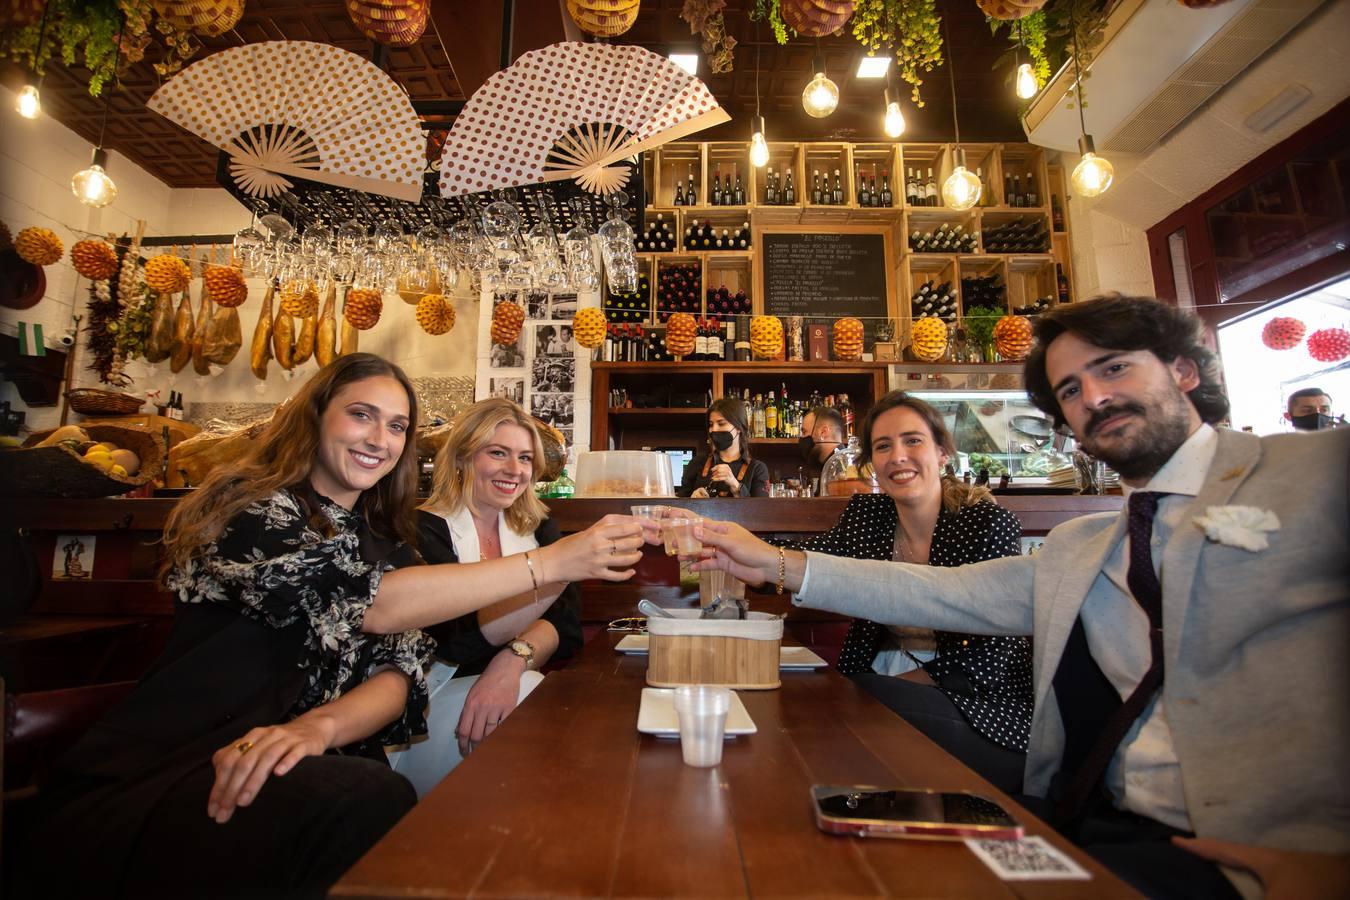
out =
column 822, row 432
column 726, row 469
column 1310, row 410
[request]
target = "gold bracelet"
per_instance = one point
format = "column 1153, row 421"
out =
column 782, row 569
column 533, row 580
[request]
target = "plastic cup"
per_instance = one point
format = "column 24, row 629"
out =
column 655, row 511
column 702, row 711
column 685, row 539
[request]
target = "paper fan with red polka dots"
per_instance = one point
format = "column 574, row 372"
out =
column 572, row 110
column 303, row 109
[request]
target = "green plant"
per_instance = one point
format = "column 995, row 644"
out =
column 910, row 29
column 980, row 322
column 771, row 10
column 1047, row 34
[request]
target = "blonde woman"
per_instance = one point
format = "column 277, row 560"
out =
column 483, row 507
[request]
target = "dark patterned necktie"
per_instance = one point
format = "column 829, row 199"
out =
column 1147, row 592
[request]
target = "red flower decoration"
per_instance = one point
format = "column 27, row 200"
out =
column 1283, row 333
column 1329, row 344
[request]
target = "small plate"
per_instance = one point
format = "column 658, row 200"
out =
column 657, row 715
column 789, row 657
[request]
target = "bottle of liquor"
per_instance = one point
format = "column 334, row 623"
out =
column 729, row 340
column 760, row 423
column 1061, row 283
column 742, row 338
column 789, row 192
column 838, row 197
column 738, row 195
column 846, row 412
column 864, row 198
column 607, row 351
column 873, row 195
column 770, row 418
column 1017, row 199
column 679, row 193
column 716, row 347
column 691, row 192
column 770, row 189
column 817, row 197
column 1032, row 197
column 1056, row 213
column 1008, row 197
column 716, row 198
column 726, row 189
column 743, row 239
column 887, row 198
column 930, row 191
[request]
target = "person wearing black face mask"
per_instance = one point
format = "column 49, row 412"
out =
column 726, row 469
column 823, row 429
column 1310, row 410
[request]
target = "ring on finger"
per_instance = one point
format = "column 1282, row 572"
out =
column 243, row 747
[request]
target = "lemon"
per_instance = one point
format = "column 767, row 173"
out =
column 115, row 469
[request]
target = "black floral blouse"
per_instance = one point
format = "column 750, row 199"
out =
column 988, row 678
column 274, row 567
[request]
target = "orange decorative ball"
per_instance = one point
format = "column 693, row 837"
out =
column 928, row 338
column 363, row 308
column 1012, row 337
column 94, row 259
column 435, row 314
column 507, row 317
column 847, row 338
column 681, row 330
column 766, row 336
column 588, row 328
column 39, row 246
column 226, row 286
column 167, row 274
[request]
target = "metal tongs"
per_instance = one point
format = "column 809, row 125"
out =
column 724, row 607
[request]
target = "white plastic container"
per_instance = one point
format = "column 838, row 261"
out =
column 623, row 473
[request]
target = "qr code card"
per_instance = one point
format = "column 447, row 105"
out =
column 1027, row 859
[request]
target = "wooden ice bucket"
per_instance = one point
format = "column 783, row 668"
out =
column 729, row 653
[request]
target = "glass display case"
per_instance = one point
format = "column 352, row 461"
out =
column 991, row 418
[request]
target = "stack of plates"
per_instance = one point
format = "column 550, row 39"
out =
column 398, row 23
column 209, row 17
column 1062, row 477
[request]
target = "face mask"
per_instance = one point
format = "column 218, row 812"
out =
column 1312, row 422
column 721, row 440
column 806, row 446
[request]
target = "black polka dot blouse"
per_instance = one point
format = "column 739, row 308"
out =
column 987, row 678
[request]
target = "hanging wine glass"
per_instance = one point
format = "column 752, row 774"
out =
column 388, row 234
column 616, row 246
column 350, row 235
column 278, row 229
column 316, row 239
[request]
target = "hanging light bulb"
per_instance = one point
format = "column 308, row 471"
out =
column 29, row 104
column 92, row 186
column 962, row 188
column 1026, row 82
column 1093, row 174
column 820, row 97
column 894, row 123
column 759, row 150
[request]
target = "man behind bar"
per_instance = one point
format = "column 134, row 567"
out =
column 1191, row 665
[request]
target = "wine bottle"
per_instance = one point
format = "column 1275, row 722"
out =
column 864, row 198
column 1017, row 199
column 1056, row 213
column 738, row 195
column 691, row 193
column 838, row 197
column 770, row 189
column 930, row 191
column 743, row 338
column 716, row 198
column 1032, row 198
column 679, row 194
column 789, row 192
column 887, row 198
column 817, row 197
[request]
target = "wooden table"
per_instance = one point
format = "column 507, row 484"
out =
column 566, row 798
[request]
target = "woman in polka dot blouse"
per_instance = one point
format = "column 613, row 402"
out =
column 969, row 693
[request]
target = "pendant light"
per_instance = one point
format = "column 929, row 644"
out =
column 759, row 150
column 894, row 120
column 1093, row 175
column 962, row 188
column 92, row 186
column 29, row 104
column 821, row 95
column 1026, row 79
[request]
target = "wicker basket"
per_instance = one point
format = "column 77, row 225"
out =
column 59, row 472
column 95, row 402
column 740, row 654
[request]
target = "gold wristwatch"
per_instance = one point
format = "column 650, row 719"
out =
column 524, row 649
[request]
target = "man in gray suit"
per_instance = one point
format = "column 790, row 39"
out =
column 1191, row 666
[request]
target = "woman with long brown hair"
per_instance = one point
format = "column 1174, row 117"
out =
column 726, row 468
column 250, row 760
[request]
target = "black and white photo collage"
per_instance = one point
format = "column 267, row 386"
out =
column 538, row 370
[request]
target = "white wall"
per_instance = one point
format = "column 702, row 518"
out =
column 37, row 159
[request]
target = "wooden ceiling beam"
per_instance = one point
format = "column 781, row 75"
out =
column 471, row 34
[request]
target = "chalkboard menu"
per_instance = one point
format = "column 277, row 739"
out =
column 826, row 276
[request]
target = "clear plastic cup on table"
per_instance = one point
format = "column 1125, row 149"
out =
column 702, row 711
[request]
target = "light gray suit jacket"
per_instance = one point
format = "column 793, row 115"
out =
column 1257, row 684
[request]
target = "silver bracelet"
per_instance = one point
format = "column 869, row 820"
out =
column 533, row 579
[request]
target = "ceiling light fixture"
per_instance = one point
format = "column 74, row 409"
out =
column 686, row 61
column 1026, row 78
column 92, row 186
column 1093, row 175
column 894, row 121
column 29, row 104
column 962, row 188
column 759, row 149
column 821, row 95
column 873, row 66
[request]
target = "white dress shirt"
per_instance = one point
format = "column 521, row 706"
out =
column 1144, row 776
